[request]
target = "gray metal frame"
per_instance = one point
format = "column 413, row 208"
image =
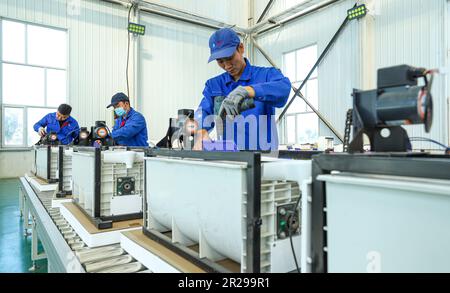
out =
column 254, row 221
column 99, row 221
column 61, row 192
column 410, row 165
column 178, row 14
column 302, row 9
column 263, row 25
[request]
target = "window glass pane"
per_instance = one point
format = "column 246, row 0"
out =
column 307, row 128
column 34, row 115
column 306, row 58
column 313, row 93
column 13, row 127
column 23, row 85
column 13, row 41
column 46, row 47
column 289, row 66
column 290, row 129
column 298, row 106
column 56, row 87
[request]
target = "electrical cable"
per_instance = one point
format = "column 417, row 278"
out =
column 290, row 232
column 128, row 50
column 424, row 139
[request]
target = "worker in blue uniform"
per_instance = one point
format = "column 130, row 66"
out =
column 268, row 88
column 130, row 128
column 65, row 126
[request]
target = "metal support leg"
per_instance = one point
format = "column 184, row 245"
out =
column 35, row 255
column 21, row 199
column 26, row 217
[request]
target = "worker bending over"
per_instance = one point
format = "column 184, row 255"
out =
column 60, row 122
column 224, row 96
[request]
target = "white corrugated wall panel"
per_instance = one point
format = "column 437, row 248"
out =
column 414, row 32
column 173, row 56
column 173, row 70
column 447, row 64
column 97, row 47
column 98, row 39
column 339, row 73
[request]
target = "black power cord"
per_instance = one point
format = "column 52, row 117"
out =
column 291, row 220
column 424, row 139
column 128, row 50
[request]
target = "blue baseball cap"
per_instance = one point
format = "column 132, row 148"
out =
column 223, row 43
column 117, row 98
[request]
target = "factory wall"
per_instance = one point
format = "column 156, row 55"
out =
column 396, row 32
column 173, row 58
column 15, row 164
column 447, row 57
column 97, row 48
column 173, row 70
column 97, row 62
column 339, row 73
column 415, row 32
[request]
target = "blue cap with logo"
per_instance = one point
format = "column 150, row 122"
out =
column 223, row 43
column 117, row 98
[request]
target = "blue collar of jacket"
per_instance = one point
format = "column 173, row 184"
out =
column 246, row 75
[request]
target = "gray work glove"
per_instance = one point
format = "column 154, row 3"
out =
column 232, row 105
column 42, row 132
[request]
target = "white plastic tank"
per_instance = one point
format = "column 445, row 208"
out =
column 205, row 202
column 41, row 161
column 115, row 164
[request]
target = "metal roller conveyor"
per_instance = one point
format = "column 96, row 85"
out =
column 107, row 259
column 77, row 246
column 74, row 240
column 64, row 227
column 70, row 235
column 105, row 264
column 98, row 249
column 100, row 254
column 66, row 231
column 124, row 269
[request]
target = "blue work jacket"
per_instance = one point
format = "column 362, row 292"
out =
column 131, row 131
column 66, row 132
column 272, row 91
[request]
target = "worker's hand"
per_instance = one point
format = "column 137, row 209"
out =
column 200, row 136
column 231, row 106
column 42, row 132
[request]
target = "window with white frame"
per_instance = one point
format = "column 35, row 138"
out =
column 33, row 78
column 301, row 124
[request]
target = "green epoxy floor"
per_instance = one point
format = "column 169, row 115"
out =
column 15, row 249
